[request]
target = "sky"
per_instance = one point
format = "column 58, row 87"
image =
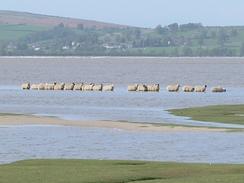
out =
column 143, row 13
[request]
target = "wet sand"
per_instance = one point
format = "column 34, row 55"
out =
column 15, row 119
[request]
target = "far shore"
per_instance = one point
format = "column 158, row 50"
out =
column 19, row 119
column 134, row 57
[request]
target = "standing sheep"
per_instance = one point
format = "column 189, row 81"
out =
column 218, row 89
column 108, row 87
column 25, row 86
column 173, row 88
column 69, row 86
column 87, row 87
column 188, row 88
column 97, row 87
column 200, row 88
column 141, row 88
column 49, row 86
column 132, row 87
column 153, row 88
column 78, row 87
column 34, row 87
column 59, row 86
column 41, row 86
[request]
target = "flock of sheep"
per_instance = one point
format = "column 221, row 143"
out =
column 110, row 87
column 68, row 86
column 199, row 88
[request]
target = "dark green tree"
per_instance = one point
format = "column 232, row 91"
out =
column 222, row 37
column 173, row 27
column 234, row 32
column 137, row 33
column 80, row 26
column 242, row 50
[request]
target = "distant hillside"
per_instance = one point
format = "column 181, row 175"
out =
column 32, row 34
column 13, row 17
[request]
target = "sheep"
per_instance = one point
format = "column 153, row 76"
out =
column 69, row 86
column 173, row 88
column 87, row 87
column 108, row 87
column 188, row 88
column 153, row 88
column 34, row 87
column 25, row 86
column 141, row 88
column 97, row 87
column 78, row 87
column 200, row 88
column 132, row 87
column 50, row 86
column 41, row 86
column 59, row 86
column 218, row 89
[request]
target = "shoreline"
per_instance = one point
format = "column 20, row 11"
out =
column 22, row 119
column 135, row 57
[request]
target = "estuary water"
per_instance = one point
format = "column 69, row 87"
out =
column 31, row 142
column 24, row 142
column 119, row 105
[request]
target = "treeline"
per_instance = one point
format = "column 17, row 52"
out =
column 174, row 40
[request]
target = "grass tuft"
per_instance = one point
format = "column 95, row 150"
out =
column 232, row 114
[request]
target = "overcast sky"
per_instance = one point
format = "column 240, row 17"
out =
column 145, row 13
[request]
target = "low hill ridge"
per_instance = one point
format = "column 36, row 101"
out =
column 15, row 17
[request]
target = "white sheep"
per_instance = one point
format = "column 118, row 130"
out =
column 173, row 88
column 200, row 88
column 218, row 89
column 25, row 86
column 188, row 88
column 132, row 87
column 108, row 87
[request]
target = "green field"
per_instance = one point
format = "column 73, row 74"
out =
column 56, row 38
column 14, row 32
column 233, row 114
column 95, row 171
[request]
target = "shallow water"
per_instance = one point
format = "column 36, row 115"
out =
column 27, row 142
column 119, row 105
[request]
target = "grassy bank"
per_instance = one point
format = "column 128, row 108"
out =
column 233, row 114
column 74, row 171
column 15, row 32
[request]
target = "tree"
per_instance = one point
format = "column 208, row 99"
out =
column 203, row 34
column 213, row 34
column 80, row 26
column 2, row 49
column 190, row 26
column 173, row 27
column 242, row 50
column 222, row 37
column 161, row 30
column 201, row 42
column 137, row 33
column 22, row 46
column 234, row 32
